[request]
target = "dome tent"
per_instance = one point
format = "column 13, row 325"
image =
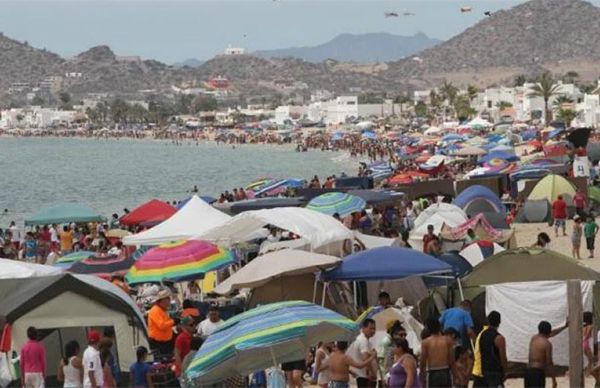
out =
column 477, row 199
column 551, row 187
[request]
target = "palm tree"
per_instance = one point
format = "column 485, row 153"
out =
column 520, row 80
column 472, row 92
column 502, row 105
column 545, row 88
column 567, row 116
column 560, row 100
column 449, row 91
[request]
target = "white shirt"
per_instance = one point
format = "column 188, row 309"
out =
column 16, row 234
column 206, row 327
column 53, row 235
column 360, row 345
column 92, row 363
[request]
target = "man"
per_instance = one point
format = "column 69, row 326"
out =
column 437, row 357
column 559, row 212
column 210, row 324
column 16, row 235
column 183, row 343
column 92, row 366
column 360, row 351
column 492, row 350
column 580, row 202
column 590, row 229
column 33, row 361
column 54, row 242
column 160, row 325
column 540, row 358
column 66, row 240
column 460, row 319
column 340, row 363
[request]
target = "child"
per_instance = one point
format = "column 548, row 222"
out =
column 139, row 376
column 30, row 248
column 576, row 236
column 590, row 230
column 462, row 367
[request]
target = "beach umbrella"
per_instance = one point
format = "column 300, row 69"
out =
column 498, row 155
column 75, row 257
column 334, row 202
column 469, row 150
column 117, row 233
column 263, row 337
column 258, row 183
column 102, row 266
column 480, row 250
column 452, row 137
column 149, row 213
column 279, row 186
column 179, row 261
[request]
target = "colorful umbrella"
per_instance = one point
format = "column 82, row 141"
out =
column 74, row 257
column 103, row 266
column 259, row 183
column 264, row 336
column 178, row 261
column 334, row 202
column 480, row 250
column 496, row 163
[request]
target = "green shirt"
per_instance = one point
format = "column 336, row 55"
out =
column 590, row 229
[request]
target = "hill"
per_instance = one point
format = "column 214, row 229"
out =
column 553, row 34
column 357, row 48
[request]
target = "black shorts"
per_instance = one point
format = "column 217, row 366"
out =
column 589, row 242
column 440, row 378
column 294, row 365
column 535, row 378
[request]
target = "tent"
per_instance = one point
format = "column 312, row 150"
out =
column 386, row 263
column 195, row 218
column 13, row 269
column 446, row 214
column 550, row 187
column 535, row 211
column 317, row 228
column 479, row 251
column 496, row 220
column 451, row 211
column 64, row 306
column 150, row 213
column 528, row 265
column 64, row 213
column 477, row 199
column 377, row 197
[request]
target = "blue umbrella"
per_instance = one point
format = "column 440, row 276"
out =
column 452, row 137
column 280, row 183
column 369, row 135
column 498, row 155
column 334, row 202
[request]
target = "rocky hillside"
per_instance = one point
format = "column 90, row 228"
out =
column 536, row 33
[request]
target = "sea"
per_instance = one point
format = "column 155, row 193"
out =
column 112, row 174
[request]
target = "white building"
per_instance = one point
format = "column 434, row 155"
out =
column 288, row 112
column 589, row 111
column 35, row 117
column 235, row 51
column 343, row 107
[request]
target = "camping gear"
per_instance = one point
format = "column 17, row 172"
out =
column 63, row 214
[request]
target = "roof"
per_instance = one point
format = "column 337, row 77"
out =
column 528, row 265
column 194, row 218
column 149, row 213
column 386, row 263
column 64, row 213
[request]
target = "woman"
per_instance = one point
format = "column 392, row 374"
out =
column 403, row 373
column 576, row 236
column 543, row 241
column 106, row 359
column 588, row 338
column 322, row 363
column 70, row 369
column 385, row 354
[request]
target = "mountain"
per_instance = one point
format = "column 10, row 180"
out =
column 360, row 48
column 558, row 35
column 190, row 62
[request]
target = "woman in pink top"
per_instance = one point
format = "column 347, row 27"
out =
column 33, row 361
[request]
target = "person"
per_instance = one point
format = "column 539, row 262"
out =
column 403, row 373
column 160, row 325
column 119, row 281
column 15, row 235
column 588, row 338
column 30, row 248
column 590, row 230
column 542, row 241
column 210, row 324
column 70, row 369
column 108, row 341
column 139, row 372
column 114, row 221
column 189, row 310
column 93, row 376
column 460, row 319
column 192, row 291
column 106, row 361
column 322, row 363
column 428, row 238
column 580, row 202
column 384, row 301
column 540, row 362
column 437, row 358
column 66, row 240
column 492, row 348
column 183, row 343
column 471, row 237
column 360, row 351
column 116, row 250
column 385, row 354
column 576, row 236
column 559, row 213
column 340, row 363
column 33, row 361
column 462, row 367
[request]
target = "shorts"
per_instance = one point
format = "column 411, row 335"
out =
column 589, row 243
column 293, row 365
column 535, row 378
column 559, row 222
column 338, row 384
column 34, row 380
column 439, row 378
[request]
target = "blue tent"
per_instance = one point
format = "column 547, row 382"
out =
column 64, row 213
column 477, row 193
column 386, row 263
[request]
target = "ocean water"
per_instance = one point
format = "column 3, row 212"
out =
column 109, row 175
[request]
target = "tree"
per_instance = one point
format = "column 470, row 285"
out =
column 502, row 105
column 545, row 88
column 38, row 101
column 449, row 92
column 567, row 116
column 421, row 109
column 560, row 100
column 434, row 99
column 463, row 109
column 65, row 99
column 204, row 104
column 472, row 92
column 520, row 80
column 370, row 98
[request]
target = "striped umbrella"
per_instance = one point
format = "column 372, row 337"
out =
column 263, row 337
column 178, row 261
column 74, row 257
column 334, row 202
column 103, row 266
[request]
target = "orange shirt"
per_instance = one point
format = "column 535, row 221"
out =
column 160, row 326
column 66, row 240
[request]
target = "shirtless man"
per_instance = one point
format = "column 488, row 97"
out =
column 437, row 357
column 540, row 357
column 340, row 363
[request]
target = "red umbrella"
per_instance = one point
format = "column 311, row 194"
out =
column 151, row 213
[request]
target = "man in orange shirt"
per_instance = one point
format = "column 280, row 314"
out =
column 66, row 240
column 160, row 324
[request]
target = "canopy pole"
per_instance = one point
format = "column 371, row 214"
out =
column 354, row 291
column 314, row 299
column 273, row 357
column 460, row 289
column 325, row 286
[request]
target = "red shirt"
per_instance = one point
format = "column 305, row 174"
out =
column 559, row 209
column 184, row 344
column 426, row 240
column 579, row 200
column 45, row 235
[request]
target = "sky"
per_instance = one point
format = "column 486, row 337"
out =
column 172, row 31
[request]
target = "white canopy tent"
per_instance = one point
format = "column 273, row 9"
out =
column 317, row 228
column 13, row 269
column 194, row 218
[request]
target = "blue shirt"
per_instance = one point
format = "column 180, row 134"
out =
column 458, row 319
column 139, row 370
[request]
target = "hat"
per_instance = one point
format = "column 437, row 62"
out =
column 93, row 336
column 187, row 321
column 576, row 217
column 162, row 294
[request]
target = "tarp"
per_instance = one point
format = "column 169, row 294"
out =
column 13, row 269
column 195, row 218
column 528, row 265
column 386, row 263
column 261, row 203
column 64, row 213
column 469, row 196
column 285, row 262
column 479, row 225
column 550, row 187
column 319, row 229
column 150, row 213
column 524, row 305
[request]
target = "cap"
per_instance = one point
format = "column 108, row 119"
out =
column 187, row 321
column 93, row 336
column 162, row 294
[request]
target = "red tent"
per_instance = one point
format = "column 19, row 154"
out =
column 151, row 213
